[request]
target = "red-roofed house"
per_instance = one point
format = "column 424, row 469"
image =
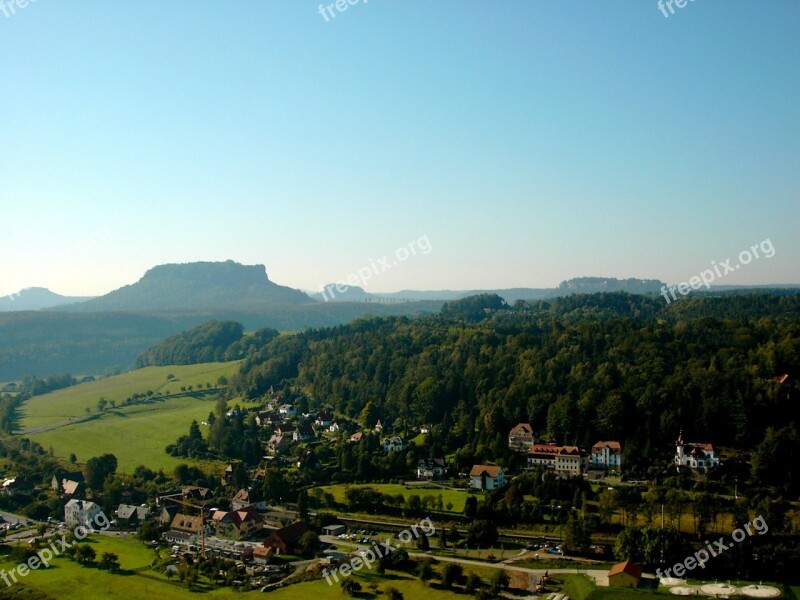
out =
column 625, row 574
column 237, row 524
column 486, row 477
column 261, row 555
column 607, row 455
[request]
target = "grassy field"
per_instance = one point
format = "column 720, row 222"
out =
column 135, row 434
column 457, row 497
column 72, row 402
column 66, row 578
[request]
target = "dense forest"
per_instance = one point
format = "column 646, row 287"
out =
column 212, row 341
column 580, row 368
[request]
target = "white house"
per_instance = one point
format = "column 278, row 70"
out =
column 394, row 444
column 430, row 468
column 700, row 457
column 288, row 410
column 486, row 477
column 81, row 512
column 606, row 455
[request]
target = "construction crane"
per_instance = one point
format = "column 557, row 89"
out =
column 202, row 520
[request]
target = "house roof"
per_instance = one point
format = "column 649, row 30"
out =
column 306, row 430
column 522, row 428
column 262, row 551
column 81, row 504
column 70, row 487
column 17, row 483
column 126, row 511
column 570, row 450
column 431, row 463
column 72, row 475
column 356, row 437
column 626, row 567
column 490, row 470
column 394, row 440
column 551, row 451
column 609, row 445
column 246, row 495
column 237, row 517
column 544, row 449
column 291, row 533
column 187, row 523
column 194, row 491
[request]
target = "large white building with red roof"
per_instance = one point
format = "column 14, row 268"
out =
column 699, row 457
column 564, row 460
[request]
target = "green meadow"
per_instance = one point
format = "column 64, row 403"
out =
column 458, row 498
column 72, row 402
column 65, row 578
column 136, row 434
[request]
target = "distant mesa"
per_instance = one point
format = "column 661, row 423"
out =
column 594, row 285
column 197, row 285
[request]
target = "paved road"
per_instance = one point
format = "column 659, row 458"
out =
column 12, row 518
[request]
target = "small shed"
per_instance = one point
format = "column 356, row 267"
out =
column 334, row 529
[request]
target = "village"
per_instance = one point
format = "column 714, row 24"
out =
column 267, row 539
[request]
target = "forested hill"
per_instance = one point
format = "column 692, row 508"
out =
column 582, row 368
column 213, row 341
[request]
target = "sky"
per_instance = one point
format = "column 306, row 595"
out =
column 521, row 143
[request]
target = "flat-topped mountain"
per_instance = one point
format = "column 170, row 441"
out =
column 198, row 285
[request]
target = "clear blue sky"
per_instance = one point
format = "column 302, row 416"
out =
column 530, row 141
